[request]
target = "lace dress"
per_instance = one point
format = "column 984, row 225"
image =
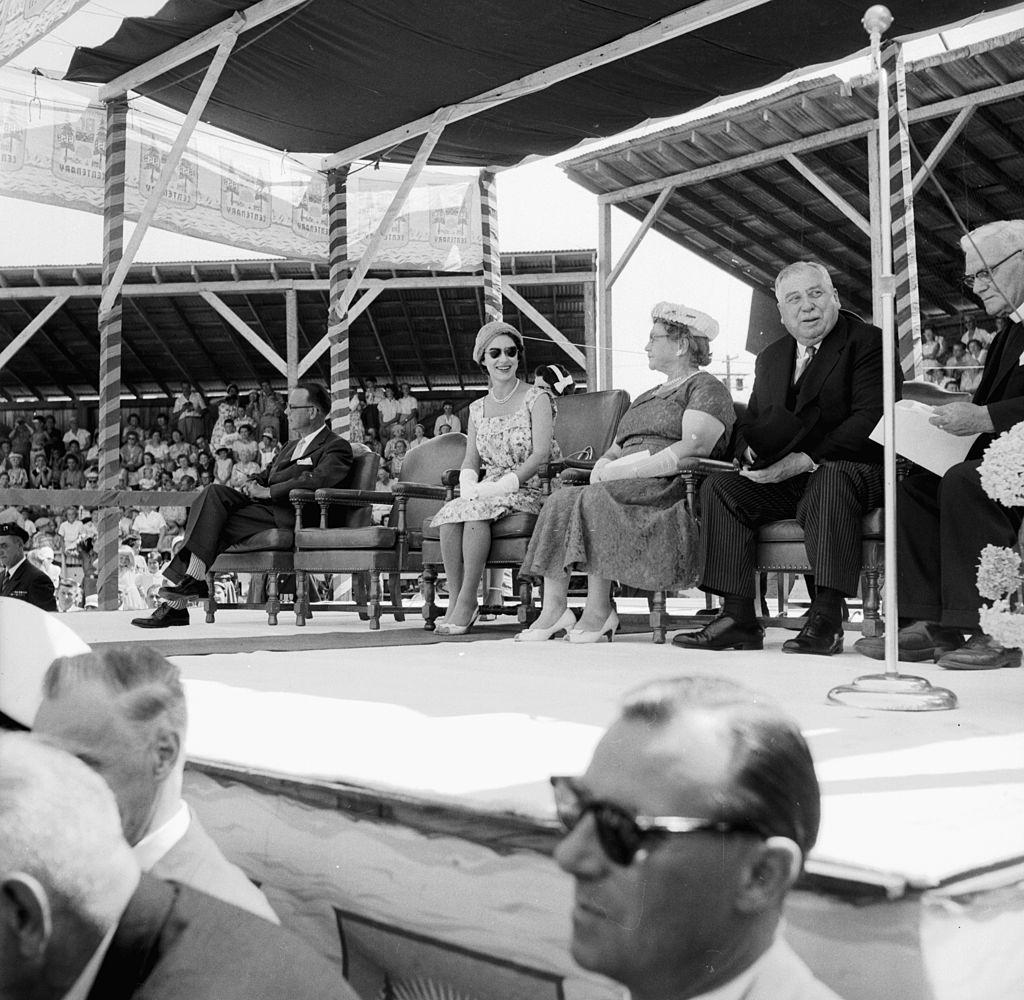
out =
column 504, row 443
column 635, row 531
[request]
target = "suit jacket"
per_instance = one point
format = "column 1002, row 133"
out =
column 325, row 464
column 831, row 410
column 1001, row 388
column 197, row 861
column 174, row 943
column 29, row 583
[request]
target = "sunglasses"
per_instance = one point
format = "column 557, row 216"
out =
column 497, row 352
column 622, row 834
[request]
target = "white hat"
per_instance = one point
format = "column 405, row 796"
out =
column 700, row 323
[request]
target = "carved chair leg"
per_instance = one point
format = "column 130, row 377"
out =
column 395, row 586
column 428, row 590
column 300, row 597
column 211, row 599
column 373, row 600
column 872, row 625
column 273, row 598
column 526, row 613
column 657, row 606
column 360, row 593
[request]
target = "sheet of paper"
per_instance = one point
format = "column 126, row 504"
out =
column 924, row 443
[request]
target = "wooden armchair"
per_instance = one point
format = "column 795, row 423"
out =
column 272, row 551
column 585, row 425
column 780, row 544
column 392, row 548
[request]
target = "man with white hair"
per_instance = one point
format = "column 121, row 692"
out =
column 944, row 523
column 123, row 712
column 79, row 920
column 804, row 442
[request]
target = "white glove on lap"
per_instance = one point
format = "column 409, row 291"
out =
column 597, row 472
column 506, row 486
column 468, row 487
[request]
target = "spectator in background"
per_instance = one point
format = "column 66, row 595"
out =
column 447, row 419
column 397, row 434
column 245, row 447
column 22, row 581
column 555, row 378
column 187, row 396
column 408, row 407
column 223, row 466
column 133, row 426
column 226, row 435
column 268, row 449
column 269, row 410
column 970, row 376
column 40, row 476
column 72, row 476
column 92, row 479
column 21, row 437
column 149, row 472
column 41, row 439
column 372, row 443
column 131, row 456
column 184, row 469
column 399, row 450
column 16, row 473
column 371, row 400
column 229, row 408
column 5, row 454
column 177, row 445
column 149, row 521
column 77, row 434
column 5, row 481
column 243, row 472
column 41, row 556
column 419, row 436
column 387, row 408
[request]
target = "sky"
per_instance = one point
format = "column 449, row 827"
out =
column 539, row 209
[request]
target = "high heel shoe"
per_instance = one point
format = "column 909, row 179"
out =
column 450, row 629
column 564, row 624
column 609, row 628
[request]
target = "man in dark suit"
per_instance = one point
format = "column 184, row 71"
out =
column 804, row 441
column 78, row 918
column 944, row 523
column 313, row 459
column 18, row 577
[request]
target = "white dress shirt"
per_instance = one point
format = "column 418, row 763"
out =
column 84, row 983
column 158, row 842
column 304, row 443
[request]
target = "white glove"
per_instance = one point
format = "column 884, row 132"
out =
column 597, row 472
column 506, row 486
column 662, row 463
column 468, row 488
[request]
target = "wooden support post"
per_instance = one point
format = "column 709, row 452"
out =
column 590, row 332
column 109, row 431
column 337, row 324
column 291, row 325
column 604, row 292
column 32, row 327
column 649, row 219
column 546, row 326
column 491, row 246
column 247, row 332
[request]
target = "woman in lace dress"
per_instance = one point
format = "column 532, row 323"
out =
column 510, row 437
column 630, row 523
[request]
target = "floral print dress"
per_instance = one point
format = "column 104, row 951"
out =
column 504, row 443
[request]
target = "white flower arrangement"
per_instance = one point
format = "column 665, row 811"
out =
column 1000, row 575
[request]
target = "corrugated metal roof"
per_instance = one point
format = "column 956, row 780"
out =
column 420, row 335
column 750, row 211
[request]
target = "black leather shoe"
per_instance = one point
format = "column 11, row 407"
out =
column 820, row 636
column 164, row 617
column 916, row 643
column 981, row 652
column 723, row 633
column 188, row 589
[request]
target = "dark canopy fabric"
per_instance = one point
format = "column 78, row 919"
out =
column 331, row 73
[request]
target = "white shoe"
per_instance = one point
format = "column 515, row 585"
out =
column 564, row 624
column 609, row 628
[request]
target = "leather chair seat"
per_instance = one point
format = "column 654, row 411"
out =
column 268, row 540
column 325, row 539
column 517, row 525
column 872, row 527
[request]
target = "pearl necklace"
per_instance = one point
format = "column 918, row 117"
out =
column 508, row 397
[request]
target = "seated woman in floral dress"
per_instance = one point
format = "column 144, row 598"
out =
column 630, row 523
column 510, row 436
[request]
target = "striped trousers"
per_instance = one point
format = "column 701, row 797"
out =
column 827, row 503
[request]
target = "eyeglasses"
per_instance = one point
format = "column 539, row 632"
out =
column 497, row 352
column 620, row 833
column 985, row 274
column 307, row 406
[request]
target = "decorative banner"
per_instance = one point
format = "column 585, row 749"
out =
column 225, row 189
column 23, row 22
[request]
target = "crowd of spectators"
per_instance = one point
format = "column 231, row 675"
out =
column 955, row 360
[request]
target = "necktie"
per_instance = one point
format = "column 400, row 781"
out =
column 801, row 368
column 3, row 578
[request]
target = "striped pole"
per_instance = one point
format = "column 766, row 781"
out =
column 904, row 242
column 491, row 246
column 337, row 326
column 109, row 432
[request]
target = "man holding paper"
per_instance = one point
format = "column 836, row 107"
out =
column 944, row 523
column 804, row 444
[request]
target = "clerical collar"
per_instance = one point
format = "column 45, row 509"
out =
column 1018, row 314
column 158, row 842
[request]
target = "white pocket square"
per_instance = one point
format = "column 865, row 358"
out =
column 304, row 461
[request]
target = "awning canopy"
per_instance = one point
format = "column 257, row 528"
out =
column 327, row 75
column 744, row 198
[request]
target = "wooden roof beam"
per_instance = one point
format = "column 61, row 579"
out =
column 151, row 326
column 93, row 340
column 414, row 340
column 191, row 330
column 246, row 332
column 456, row 367
column 380, row 347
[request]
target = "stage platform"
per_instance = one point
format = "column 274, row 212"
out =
column 392, row 788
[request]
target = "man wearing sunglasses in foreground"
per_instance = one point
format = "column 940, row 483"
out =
column 685, row 833
column 944, row 523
